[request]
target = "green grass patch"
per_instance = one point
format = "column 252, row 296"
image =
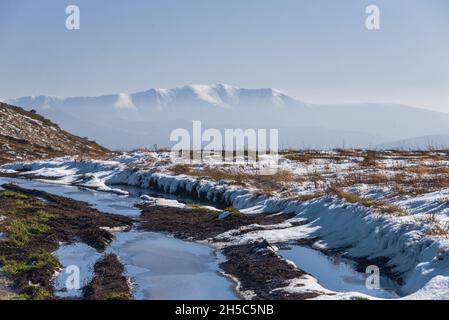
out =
column 120, row 296
column 15, row 195
column 19, row 231
column 45, row 216
column 42, row 294
column 35, row 261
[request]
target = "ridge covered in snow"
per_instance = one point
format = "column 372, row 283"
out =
column 220, row 95
column 132, row 120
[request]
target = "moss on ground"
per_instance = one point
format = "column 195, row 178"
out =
column 34, row 224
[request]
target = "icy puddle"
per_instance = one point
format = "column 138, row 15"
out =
column 160, row 266
column 336, row 273
column 165, row 268
column 103, row 201
column 77, row 255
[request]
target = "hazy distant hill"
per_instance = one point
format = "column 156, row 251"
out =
column 145, row 118
column 419, row 143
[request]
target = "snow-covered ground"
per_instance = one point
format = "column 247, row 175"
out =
column 415, row 241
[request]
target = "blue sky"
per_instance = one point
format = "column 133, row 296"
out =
column 318, row 51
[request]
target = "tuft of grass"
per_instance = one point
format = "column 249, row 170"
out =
column 235, row 212
column 12, row 267
column 19, row 231
column 43, row 260
column 180, row 169
column 370, row 159
column 120, row 296
column 42, row 294
column 45, row 216
column 35, row 261
column 347, row 196
column 380, row 206
column 437, row 228
column 15, row 195
column 308, row 197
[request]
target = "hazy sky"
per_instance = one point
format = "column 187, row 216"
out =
column 317, row 51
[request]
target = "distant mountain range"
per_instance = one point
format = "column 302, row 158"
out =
column 142, row 119
column 436, row 142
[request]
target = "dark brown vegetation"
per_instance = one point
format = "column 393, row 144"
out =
column 35, row 223
column 26, row 136
column 197, row 223
column 108, row 283
column 260, row 270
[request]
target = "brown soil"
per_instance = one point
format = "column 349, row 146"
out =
column 260, row 270
column 108, row 283
column 257, row 268
column 198, row 224
column 28, row 136
column 35, row 223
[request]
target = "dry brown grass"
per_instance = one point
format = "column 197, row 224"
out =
column 210, row 173
column 437, row 228
column 370, row 159
column 411, row 174
column 308, row 197
column 265, row 184
column 428, row 170
column 380, row 206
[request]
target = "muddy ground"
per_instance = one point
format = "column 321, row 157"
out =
column 35, row 224
column 198, row 223
column 108, row 282
column 255, row 265
column 260, row 270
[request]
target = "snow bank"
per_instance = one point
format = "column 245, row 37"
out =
column 421, row 259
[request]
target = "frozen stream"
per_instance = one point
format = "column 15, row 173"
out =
column 337, row 273
column 162, row 267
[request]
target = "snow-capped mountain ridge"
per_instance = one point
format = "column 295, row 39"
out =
column 219, row 95
column 144, row 118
